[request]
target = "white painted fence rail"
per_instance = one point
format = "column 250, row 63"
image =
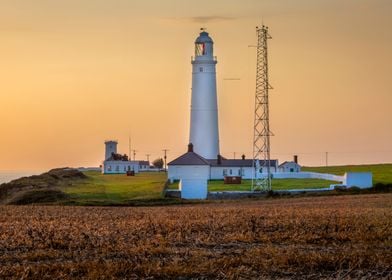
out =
column 308, row 175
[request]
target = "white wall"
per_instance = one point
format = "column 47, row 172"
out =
column 308, row 175
column 217, row 172
column 119, row 167
column 362, row 180
column 144, row 167
column 178, row 172
column 110, row 147
column 288, row 166
column 193, row 188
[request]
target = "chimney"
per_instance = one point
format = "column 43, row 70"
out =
column 296, row 159
column 190, row 148
column 219, row 159
column 243, row 157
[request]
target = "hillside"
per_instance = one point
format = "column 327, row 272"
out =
column 118, row 189
column 44, row 188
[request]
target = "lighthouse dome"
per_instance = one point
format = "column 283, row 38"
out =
column 203, row 38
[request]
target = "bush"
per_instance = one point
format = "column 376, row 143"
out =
column 381, row 187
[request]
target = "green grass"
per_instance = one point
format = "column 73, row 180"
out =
column 277, row 184
column 382, row 173
column 117, row 188
column 146, row 188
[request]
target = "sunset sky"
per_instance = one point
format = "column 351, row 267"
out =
column 77, row 72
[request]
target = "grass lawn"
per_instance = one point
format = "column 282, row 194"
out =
column 382, row 173
column 117, row 188
column 101, row 189
column 277, row 184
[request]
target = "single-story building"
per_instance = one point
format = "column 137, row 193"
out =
column 119, row 166
column 144, row 165
column 193, row 166
column 289, row 166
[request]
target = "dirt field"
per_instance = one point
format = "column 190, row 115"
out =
column 317, row 237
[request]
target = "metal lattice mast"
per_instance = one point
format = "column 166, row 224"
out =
column 262, row 133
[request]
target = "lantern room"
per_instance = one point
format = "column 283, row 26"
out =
column 203, row 45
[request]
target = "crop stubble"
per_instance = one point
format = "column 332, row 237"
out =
column 331, row 237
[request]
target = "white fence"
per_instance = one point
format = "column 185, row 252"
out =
column 308, row 175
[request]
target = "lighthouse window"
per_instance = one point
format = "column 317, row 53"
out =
column 200, row 49
column 201, row 69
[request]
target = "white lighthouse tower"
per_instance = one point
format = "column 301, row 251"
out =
column 204, row 131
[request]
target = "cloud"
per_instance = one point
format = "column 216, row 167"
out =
column 200, row 19
column 208, row 19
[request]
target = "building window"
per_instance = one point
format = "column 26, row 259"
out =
column 109, row 168
column 117, row 168
column 231, row 172
column 200, row 49
column 291, row 169
column 224, row 172
column 201, row 69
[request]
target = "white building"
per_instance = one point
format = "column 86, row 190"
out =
column 119, row 166
column 289, row 166
column 193, row 166
column 115, row 163
column 144, row 165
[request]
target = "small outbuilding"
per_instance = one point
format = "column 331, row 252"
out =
column 189, row 166
column 289, row 167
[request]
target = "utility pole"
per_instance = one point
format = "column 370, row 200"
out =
column 326, row 159
column 262, row 133
column 148, row 157
column 165, row 157
column 234, row 155
column 134, row 154
column 129, row 148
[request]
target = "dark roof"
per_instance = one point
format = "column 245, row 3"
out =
column 192, row 158
column 189, row 158
column 288, row 162
column 238, row 162
column 143, row 162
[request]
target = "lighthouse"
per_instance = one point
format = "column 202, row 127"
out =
column 204, row 131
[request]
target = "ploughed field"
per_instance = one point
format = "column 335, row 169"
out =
column 315, row 237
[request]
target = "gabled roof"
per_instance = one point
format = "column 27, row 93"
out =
column 286, row 162
column 239, row 162
column 189, row 158
column 232, row 162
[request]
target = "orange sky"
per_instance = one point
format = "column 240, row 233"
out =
column 77, row 72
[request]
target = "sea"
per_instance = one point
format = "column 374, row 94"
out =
column 7, row 176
